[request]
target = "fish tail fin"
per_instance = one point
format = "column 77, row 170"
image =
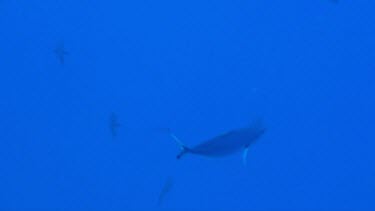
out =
column 184, row 149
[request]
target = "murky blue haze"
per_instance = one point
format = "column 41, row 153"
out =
column 90, row 89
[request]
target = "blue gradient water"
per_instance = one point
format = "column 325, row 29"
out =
column 200, row 68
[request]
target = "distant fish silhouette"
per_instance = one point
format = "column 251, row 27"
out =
column 225, row 144
column 61, row 53
column 165, row 190
column 114, row 124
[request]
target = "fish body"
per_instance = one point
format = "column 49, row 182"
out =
column 61, row 53
column 225, row 144
column 114, row 124
column 165, row 190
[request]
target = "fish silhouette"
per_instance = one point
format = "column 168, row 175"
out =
column 114, row 124
column 61, row 53
column 165, row 190
column 225, row 144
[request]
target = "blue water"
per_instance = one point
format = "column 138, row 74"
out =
column 199, row 68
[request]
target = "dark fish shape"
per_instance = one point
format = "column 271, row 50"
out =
column 225, row 144
column 114, row 124
column 61, row 53
column 165, row 190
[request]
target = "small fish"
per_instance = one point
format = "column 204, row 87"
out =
column 114, row 124
column 226, row 143
column 61, row 53
column 165, row 190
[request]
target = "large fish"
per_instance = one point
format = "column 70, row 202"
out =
column 226, row 143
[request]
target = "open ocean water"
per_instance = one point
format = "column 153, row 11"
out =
column 97, row 99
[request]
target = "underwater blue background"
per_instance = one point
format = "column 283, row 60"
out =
column 200, row 68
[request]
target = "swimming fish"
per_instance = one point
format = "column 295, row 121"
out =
column 114, row 124
column 165, row 190
column 61, row 53
column 225, row 144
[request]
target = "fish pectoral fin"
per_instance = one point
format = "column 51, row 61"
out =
column 244, row 156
